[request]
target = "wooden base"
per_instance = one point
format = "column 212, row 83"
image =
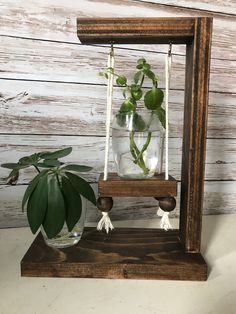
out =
column 129, row 253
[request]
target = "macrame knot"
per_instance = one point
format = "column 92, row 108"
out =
column 105, row 222
column 165, row 222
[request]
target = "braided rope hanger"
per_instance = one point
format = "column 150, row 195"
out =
column 105, row 221
column 165, row 222
column 110, row 64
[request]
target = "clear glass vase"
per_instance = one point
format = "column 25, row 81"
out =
column 65, row 238
column 136, row 143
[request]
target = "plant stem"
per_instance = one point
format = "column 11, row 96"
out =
column 141, row 84
column 132, row 145
column 145, row 146
column 58, row 180
column 37, row 168
column 135, row 152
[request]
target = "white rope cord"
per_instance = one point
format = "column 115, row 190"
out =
column 161, row 153
column 110, row 64
column 105, row 221
column 165, row 222
column 167, row 81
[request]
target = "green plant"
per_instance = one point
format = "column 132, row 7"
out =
column 134, row 93
column 53, row 196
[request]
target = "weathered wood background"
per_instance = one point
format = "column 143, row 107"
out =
column 51, row 95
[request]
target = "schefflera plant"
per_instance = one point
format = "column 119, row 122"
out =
column 134, row 93
column 53, row 196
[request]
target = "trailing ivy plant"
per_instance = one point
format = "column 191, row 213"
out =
column 133, row 94
column 53, row 196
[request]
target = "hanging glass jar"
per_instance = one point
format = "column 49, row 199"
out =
column 137, row 144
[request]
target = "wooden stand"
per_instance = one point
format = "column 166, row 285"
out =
column 146, row 253
column 128, row 253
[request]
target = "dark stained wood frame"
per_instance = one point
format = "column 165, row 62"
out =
column 196, row 34
column 146, row 253
column 156, row 186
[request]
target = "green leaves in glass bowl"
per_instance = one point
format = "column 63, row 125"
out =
column 53, row 196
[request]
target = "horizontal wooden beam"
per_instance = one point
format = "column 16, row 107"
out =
column 135, row 30
column 156, row 186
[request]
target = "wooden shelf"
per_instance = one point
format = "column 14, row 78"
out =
column 128, row 253
column 156, row 186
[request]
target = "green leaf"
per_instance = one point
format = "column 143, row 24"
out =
column 15, row 166
column 110, row 70
column 25, row 160
column 121, row 118
column 56, row 213
column 57, row 154
column 31, row 187
column 136, row 92
column 103, row 74
column 139, row 66
column 49, row 163
column 128, row 105
column 73, row 203
column 77, row 168
column 153, row 98
column 162, row 116
column 29, row 160
column 146, row 67
column 137, row 76
column 150, row 75
column 37, row 204
column 141, row 61
column 82, row 187
column 121, row 80
column 52, row 162
column 138, row 123
column 43, row 165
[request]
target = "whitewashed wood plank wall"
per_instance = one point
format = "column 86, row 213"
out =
column 51, row 95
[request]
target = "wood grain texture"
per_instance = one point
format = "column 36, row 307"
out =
column 65, row 108
column 156, row 186
column 220, row 161
column 220, row 198
column 124, row 254
column 62, row 62
column 204, row 6
column 135, row 30
column 55, row 20
column 198, row 54
column 69, row 109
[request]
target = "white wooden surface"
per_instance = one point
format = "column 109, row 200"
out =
column 51, row 95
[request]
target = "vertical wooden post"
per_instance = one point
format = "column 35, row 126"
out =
column 194, row 135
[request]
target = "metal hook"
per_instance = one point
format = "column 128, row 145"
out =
column 112, row 49
column 170, row 49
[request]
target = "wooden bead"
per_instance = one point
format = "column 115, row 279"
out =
column 167, row 204
column 104, row 204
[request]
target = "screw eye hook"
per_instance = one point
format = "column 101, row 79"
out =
column 112, row 49
column 170, row 49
